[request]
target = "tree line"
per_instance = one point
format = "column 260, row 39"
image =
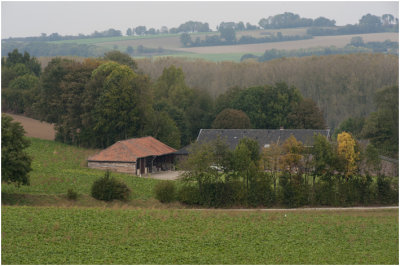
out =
column 342, row 86
column 227, row 36
column 356, row 45
column 318, row 27
column 367, row 24
column 97, row 102
column 83, row 98
column 284, row 174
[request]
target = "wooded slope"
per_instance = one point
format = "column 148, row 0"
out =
column 341, row 85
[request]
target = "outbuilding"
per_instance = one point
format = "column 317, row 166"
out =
column 137, row 156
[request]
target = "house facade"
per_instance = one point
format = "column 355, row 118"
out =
column 138, row 156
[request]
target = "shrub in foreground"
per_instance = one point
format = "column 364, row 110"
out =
column 72, row 194
column 108, row 188
column 165, row 191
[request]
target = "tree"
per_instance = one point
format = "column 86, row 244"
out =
column 163, row 128
column 185, row 39
column 323, row 22
column 16, row 163
column 370, row 22
column 231, row 118
column 347, row 154
column 306, row 115
column 140, row 30
column 353, row 125
column 270, row 159
column 382, row 127
column 322, row 157
column 20, row 95
column 357, row 41
column 122, row 109
column 129, row 50
column 129, row 32
column 387, row 19
column 292, row 158
column 245, row 160
column 228, row 33
column 121, row 58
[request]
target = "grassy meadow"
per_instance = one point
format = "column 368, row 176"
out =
column 58, row 167
column 125, row 236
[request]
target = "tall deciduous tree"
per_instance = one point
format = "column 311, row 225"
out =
column 306, row 115
column 292, row 158
column 347, row 154
column 382, row 126
column 120, row 111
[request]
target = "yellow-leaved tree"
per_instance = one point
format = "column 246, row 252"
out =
column 292, row 159
column 347, row 153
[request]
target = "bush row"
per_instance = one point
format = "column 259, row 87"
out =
column 292, row 191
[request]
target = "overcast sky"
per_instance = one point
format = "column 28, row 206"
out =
column 22, row 19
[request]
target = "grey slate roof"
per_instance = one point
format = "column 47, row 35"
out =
column 264, row 137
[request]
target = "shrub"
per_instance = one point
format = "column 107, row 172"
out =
column 108, row 188
column 387, row 193
column 189, row 195
column 72, row 194
column 325, row 191
column 294, row 192
column 261, row 192
column 165, row 191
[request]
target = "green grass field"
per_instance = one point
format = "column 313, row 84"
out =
column 122, row 236
column 58, row 167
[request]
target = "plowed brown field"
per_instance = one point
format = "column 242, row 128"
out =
column 35, row 128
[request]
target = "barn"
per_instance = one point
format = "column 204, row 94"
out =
column 137, row 156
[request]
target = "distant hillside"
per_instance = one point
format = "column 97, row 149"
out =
column 170, row 45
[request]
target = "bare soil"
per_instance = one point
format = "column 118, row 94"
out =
column 35, row 128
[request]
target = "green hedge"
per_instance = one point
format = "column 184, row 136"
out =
column 293, row 191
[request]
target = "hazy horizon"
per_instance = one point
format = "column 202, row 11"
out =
column 25, row 19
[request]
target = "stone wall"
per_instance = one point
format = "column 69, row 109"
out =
column 114, row 166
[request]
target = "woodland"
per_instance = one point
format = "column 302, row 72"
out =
column 96, row 102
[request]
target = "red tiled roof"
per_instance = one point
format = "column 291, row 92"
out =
column 131, row 149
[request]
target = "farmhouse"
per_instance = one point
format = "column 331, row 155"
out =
column 264, row 137
column 136, row 156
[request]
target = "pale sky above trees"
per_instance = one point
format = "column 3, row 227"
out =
column 23, row 19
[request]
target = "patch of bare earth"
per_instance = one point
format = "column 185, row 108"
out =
column 35, row 128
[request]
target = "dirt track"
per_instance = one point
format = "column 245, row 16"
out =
column 35, row 128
